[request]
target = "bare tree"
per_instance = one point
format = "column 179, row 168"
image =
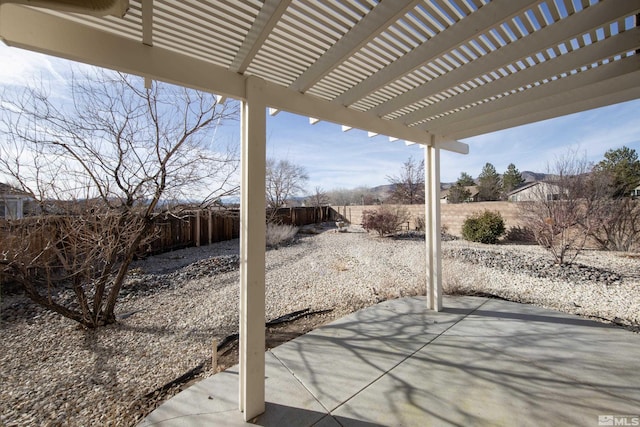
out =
column 283, row 181
column 102, row 160
column 319, row 198
column 557, row 213
column 408, row 185
column 615, row 215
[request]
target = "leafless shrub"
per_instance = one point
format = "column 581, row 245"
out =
column 556, row 212
column 615, row 222
column 277, row 234
column 385, row 219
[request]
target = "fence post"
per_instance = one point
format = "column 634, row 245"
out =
column 210, row 227
column 197, row 228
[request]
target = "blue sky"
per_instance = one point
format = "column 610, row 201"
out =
column 336, row 159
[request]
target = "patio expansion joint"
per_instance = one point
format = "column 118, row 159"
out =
column 326, row 410
column 409, row 356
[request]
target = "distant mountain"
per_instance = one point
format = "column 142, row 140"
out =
column 383, row 190
column 533, row 176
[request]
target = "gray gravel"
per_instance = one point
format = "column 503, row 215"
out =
column 175, row 304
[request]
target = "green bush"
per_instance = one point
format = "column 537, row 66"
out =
column 384, row 220
column 485, row 227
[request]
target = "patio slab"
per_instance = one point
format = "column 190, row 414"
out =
column 478, row 362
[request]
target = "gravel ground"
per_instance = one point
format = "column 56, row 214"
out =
column 174, row 305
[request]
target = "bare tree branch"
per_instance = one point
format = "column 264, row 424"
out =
column 101, row 161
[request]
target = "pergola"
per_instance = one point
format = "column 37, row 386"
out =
column 424, row 71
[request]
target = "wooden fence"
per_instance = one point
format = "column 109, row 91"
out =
column 194, row 228
column 205, row 227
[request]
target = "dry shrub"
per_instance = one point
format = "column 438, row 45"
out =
column 278, row 234
column 385, row 219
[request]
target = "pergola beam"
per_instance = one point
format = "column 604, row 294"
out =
column 594, row 96
column 266, row 20
column 306, row 105
column 483, row 19
column 383, row 15
column 54, row 35
column 550, row 36
column 597, row 82
column 546, row 70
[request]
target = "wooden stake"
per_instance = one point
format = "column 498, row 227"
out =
column 214, row 356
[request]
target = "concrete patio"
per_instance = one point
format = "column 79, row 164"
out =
column 479, row 362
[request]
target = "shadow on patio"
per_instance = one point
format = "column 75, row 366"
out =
column 478, row 362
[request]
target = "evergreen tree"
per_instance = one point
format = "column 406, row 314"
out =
column 511, row 180
column 465, row 180
column 622, row 168
column 489, row 184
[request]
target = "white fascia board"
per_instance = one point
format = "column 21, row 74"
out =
column 310, row 106
column 451, row 144
column 42, row 32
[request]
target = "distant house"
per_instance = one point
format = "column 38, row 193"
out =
column 635, row 193
column 534, row 191
column 14, row 203
column 473, row 194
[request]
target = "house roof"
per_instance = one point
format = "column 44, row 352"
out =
column 472, row 189
column 523, row 187
column 425, row 71
column 8, row 190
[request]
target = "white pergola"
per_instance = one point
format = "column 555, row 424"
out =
column 424, row 71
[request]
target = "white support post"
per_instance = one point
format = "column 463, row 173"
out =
column 432, row 217
column 252, row 251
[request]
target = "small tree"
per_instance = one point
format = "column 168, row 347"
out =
column 558, row 216
column 511, row 179
column 283, row 181
column 318, row 198
column 102, row 162
column 408, row 185
column 385, row 220
column 489, row 184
